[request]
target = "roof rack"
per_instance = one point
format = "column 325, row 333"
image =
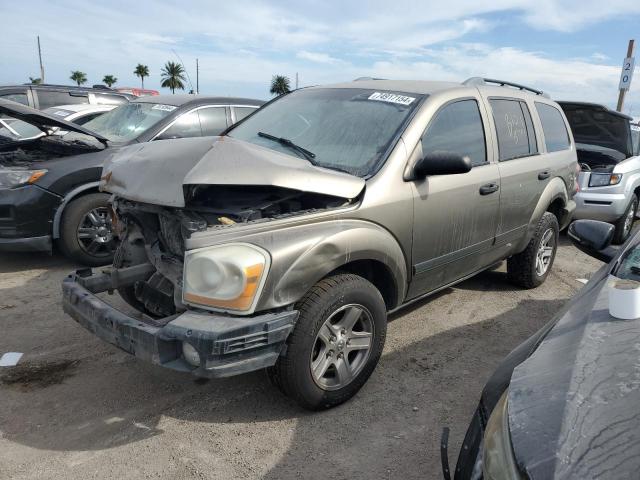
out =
column 502, row 83
column 363, row 79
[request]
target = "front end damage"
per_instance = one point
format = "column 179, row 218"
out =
column 156, row 217
column 148, row 273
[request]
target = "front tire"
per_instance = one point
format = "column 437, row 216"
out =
column 625, row 223
column 336, row 343
column 531, row 267
column 86, row 235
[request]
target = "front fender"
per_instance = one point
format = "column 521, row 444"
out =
column 555, row 189
column 301, row 255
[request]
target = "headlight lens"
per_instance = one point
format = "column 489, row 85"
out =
column 14, row 178
column 604, row 179
column 226, row 277
column 498, row 460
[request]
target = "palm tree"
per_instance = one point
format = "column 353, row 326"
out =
column 280, row 85
column 109, row 80
column 78, row 77
column 35, row 80
column 141, row 71
column 172, row 76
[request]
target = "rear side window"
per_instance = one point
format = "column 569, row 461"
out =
column 242, row 112
column 516, row 136
column 556, row 137
column 213, row 120
column 457, row 128
column 16, row 97
column 54, row 98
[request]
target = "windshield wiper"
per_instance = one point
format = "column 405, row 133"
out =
column 288, row 143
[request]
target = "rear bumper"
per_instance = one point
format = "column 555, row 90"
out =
column 226, row 345
column 606, row 207
column 568, row 214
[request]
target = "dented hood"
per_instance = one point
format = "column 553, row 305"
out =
column 155, row 172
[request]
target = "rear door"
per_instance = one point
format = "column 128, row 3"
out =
column 523, row 171
column 455, row 216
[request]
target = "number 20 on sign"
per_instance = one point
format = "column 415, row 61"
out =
column 627, row 73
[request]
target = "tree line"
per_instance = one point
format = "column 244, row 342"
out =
column 173, row 77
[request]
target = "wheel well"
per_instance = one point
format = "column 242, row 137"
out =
column 637, row 192
column 556, row 208
column 379, row 275
column 57, row 218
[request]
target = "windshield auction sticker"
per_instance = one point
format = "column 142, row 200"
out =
column 391, row 98
column 165, row 108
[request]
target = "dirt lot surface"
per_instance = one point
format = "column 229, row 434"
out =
column 76, row 408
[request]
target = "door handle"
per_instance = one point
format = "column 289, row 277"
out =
column 544, row 175
column 489, row 188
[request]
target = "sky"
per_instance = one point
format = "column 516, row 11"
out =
column 571, row 49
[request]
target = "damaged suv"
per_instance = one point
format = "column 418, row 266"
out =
column 284, row 243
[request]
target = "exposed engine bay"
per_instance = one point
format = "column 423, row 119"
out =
column 24, row 153
column 156, row 234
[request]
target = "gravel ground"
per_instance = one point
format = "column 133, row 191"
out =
column 77, row 408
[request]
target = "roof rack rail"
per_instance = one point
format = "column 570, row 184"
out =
column 363, row 79
column 502, row 83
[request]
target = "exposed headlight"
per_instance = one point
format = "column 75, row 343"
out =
column 604, row 179
column 14, row 178
column 498, row 460
column 225, row 277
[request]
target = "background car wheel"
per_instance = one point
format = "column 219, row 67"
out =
column 85, row 233
column 336, row 343
column 530, row 268
column 624, row 225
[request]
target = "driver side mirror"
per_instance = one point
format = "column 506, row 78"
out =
column 441, row 163
column 593, row 238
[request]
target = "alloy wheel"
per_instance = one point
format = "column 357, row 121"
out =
column 342, row 347
column 545, row 252
column 95, row 234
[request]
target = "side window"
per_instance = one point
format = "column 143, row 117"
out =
column 242, row 112
column 54, row 98
column 516, row 135
column 457, row 128
column 213, row 120
column 16, row 97
column 187, row 125
column 556, row 137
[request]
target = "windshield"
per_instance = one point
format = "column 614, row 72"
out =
column 128, row 121
column 13, row 129
column 344, row 128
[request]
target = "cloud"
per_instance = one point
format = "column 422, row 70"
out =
column 318, row 57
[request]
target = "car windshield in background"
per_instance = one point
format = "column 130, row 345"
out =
column 344, row 128
column 127, row 122
column 12, row 129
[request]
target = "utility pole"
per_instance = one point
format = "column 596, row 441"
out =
column 626, row 75
column 40, row 57
column 197, row 78
column 296, row 80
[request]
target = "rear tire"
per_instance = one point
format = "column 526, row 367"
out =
column 336, row 343
column 624, row 224
column 85, row 231
column 531, row 267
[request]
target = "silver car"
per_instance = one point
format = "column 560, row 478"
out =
column 609, row 180
column 284, row 243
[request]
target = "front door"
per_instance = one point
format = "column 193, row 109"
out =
column 455, row 216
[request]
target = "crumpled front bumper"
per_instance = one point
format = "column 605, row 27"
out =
column 226, row 345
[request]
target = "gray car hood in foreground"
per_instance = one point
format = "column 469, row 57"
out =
column 155, row 172
column 574, row 405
